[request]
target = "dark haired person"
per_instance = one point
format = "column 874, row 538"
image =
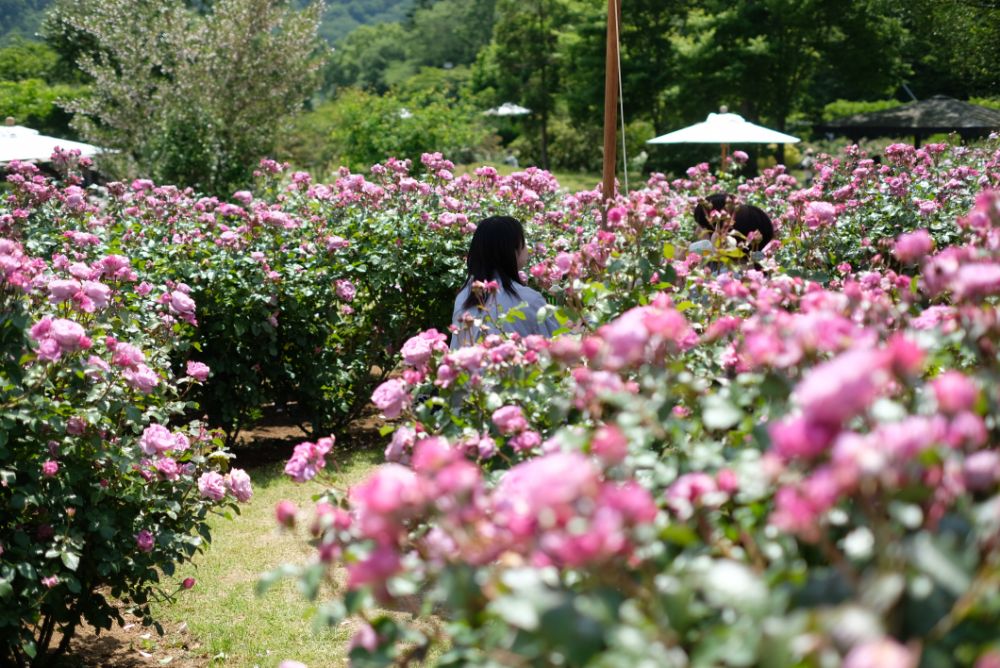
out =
column 718, row 213
column 497, row 253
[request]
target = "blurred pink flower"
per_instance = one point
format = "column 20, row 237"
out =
column 509, row 420
column 913, row 246
column 955, row 392
column 284, row 512
column 881, row 653
column 391, row 397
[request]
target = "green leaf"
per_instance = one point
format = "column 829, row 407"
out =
column 719, row 412
column 6, row 590
column 70, row 560
column 386, row 429
column 517, row 611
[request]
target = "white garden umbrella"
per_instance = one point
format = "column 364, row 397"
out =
column 507, row 109
column 725, row 128
column 20, row 143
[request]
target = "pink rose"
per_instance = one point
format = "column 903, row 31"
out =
column 211, row 485
column 197, row 370
column 284, row 512
column 156, row 439
column 168, row 468
column 144, row 540
column 955, row 392
column 610, row 444
column 181, row 303
column 509, row 420
column 417, row 351
column 49, row 468
column 141, row 378
column 881, row 653
column 345, row 290
column 308, row 458
column 913, row 246
column 238, row 483
column 391, row 397
column 819, row 214
column 62, row 290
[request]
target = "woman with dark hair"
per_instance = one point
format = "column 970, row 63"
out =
column 743, row 219
column 497, row 254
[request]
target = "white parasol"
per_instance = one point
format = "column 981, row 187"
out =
column 20, row 143
column 507, row 109
column 724, row 128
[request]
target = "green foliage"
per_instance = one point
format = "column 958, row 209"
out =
column 342, row 17
column 27, row 60
column 36, row 104
column 367, row 128
column 841, row 108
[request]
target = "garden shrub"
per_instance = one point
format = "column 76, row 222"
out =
column 105, row 484
column 714, row 465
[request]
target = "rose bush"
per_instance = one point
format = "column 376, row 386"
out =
column 793, row 465
column 103, row 479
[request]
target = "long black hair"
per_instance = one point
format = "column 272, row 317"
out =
column 746, row 219
column 493, row 255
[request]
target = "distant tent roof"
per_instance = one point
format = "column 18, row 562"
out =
column 508, row 109
column 20, row 143
column 926, row 117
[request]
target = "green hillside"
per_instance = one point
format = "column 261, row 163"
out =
column 23, row 18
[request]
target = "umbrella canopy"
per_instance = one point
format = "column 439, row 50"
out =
column 725, row 128
column 926, row 117
column 508, row 109
column 20, row 143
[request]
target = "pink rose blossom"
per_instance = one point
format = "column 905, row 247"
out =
column 913, row 246
column 881, row 653
column 142, row 378
column 308, row 458
column 509, row 420
column 144, row 540
column 238, row 483
column 212, row 485
column 955, row 392
column 49, row 468
column 391, row 397
column 284, row 512
column 197, row 370
column 156, row 439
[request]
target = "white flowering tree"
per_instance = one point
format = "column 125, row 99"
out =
column 187, row 97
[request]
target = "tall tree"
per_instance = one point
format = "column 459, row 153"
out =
column 522, row 61
column 761, row 57
column 191, row 98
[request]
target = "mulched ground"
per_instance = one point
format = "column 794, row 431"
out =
column 271, row 441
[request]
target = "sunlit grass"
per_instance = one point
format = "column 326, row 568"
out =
column 226, row 622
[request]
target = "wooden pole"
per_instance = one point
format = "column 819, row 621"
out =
column 611, row 103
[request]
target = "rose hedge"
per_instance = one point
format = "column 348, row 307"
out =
column 105, row 486
column 306, row 291
column 720, row 467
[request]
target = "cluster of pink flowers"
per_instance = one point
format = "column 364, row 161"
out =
column 554, row 509
column 308, row 458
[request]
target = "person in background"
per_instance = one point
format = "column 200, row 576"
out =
column 718, row 215
column 497, row 254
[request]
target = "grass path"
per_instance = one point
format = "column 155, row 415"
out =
column 230, row 624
